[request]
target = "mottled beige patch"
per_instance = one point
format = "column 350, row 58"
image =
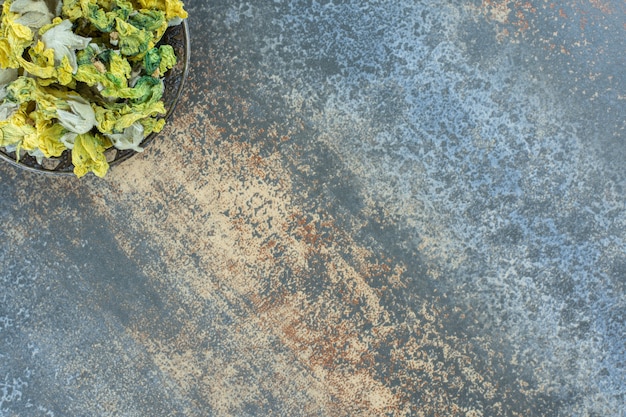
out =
column 235, row 217
column 322, row 340
column 498, row 11
column 513, row 17
column 603, row 6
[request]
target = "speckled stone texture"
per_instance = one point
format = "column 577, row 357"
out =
column 359, row 208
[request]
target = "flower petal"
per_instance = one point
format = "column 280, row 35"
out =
column 64, row 42
column 81, row 117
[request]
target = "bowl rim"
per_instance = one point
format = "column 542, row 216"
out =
column 146, row 141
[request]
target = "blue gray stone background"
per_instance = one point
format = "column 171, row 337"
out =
column 359, row 208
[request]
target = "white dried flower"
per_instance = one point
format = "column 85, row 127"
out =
column 64, row 42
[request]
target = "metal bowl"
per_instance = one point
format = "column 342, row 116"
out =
column 174, row 80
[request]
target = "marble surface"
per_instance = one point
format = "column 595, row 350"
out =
column 359, row 208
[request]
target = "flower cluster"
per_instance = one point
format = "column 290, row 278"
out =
column 83, row 75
